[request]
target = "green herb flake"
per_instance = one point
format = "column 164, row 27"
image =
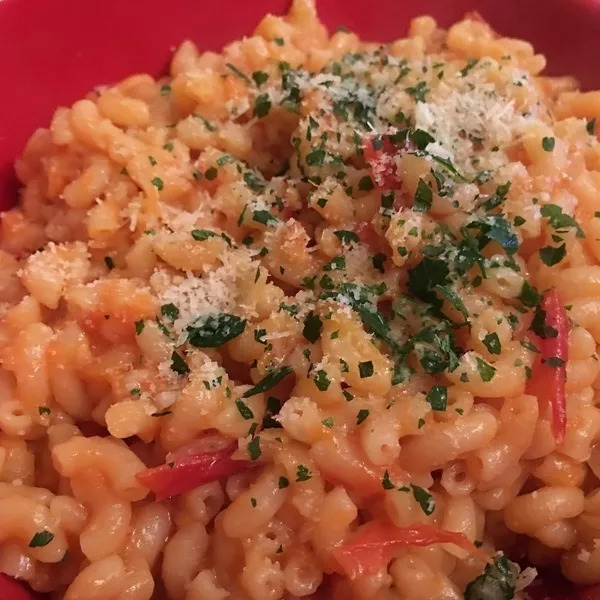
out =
column 312, row 327
column 529, row 296
column 424, row 498
column 139, row 326
column 418, row 92
column 497, row 582
column 438, row 397
column 554, row 362
column 178, row 364
column 238, row 73
column 161, row 413
column 214, row 330
column 548, row 144
column 591, row 126
column 170, row 311
column 260, row 77
column 201, row 235
column 244, row 409
column 470, row 64
column 283, row 482
column 269, row 381
column 366, row 184
column 303, row 473
column 486, row 371
column 328, row 422
column 558, row 220
column 157, row 182
column 363, row 413
column 492, row 342
column 43, row 410
column 386, row 482
column 423, row 197
column 335, row 264
column 552, row 255
column 109, row 262
column 253, row 181
column 254, row 449
column 41, row 539
column 322, row 380
column 365, row 368
column 346, row 237
column 262, row 106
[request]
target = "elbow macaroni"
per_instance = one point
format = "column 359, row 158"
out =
column 324, row 256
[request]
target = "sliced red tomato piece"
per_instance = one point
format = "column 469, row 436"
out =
column 373, row 546
column 379, row 154
column 199, row 462
column 13, row 590
column 549, row 373
column 368, row 235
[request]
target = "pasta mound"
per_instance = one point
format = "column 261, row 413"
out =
column 312, row 317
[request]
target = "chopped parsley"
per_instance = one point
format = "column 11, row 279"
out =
column 41, row 539
column 260, row 77
column 365, row 369
column 346, row 237
column 328, row 422
column 254, row 449
column 244, row 409
column 548, row 144
column 492, row 342
column 238, row 73
column 178, row 364
column 170, row 311
column 438, row 397
column 418, row 92
column 214, row 330
column 303, row 473
column 262, row 106
column 201, row 235
column 269, row 381
column 321, row 380
column 424, row 498
column 591, row 126
column 552, row 255
column 486, row 371
column 363, row 413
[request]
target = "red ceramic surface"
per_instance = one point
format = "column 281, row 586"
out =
column 54, row 51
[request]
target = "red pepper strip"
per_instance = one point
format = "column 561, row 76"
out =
column 374, row 545
column 184, row 471
column 12, row 590
column 547, row 378
column 381, row 161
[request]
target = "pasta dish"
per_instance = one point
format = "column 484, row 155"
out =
column 312, row 317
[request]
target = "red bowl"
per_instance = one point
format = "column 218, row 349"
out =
column 54, row 51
